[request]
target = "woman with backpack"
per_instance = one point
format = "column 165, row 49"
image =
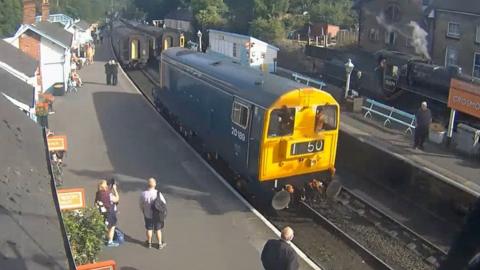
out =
column 154, row 209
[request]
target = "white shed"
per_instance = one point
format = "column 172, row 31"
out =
column 246, row 50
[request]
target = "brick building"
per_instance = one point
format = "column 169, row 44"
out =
column 455, row 34
column 46, row 42
column 386, row 24
column 180, row 19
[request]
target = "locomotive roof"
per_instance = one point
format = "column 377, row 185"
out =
column 248, row 83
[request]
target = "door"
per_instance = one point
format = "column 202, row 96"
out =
column 255, row 136
column 240, row 132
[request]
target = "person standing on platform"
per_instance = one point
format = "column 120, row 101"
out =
column 106, row 200
column 277, row 254
column 114, row 67
column 108, row 72
column 154, row 220
column 423, row 119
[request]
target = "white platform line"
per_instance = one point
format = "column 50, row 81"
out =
column 300, row 253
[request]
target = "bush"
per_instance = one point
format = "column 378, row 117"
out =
column 85, row 231
column 267, row 29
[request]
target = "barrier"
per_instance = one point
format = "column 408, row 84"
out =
column 390, row 113
column 307, row 80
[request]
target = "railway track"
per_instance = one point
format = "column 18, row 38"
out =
column 361, row 217
column 411, row 250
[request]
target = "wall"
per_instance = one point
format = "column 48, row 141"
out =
column 465, row 45
column 29, row 43
column 371, row 11
column 52, row 63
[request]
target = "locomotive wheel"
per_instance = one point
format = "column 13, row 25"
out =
column 333, row 189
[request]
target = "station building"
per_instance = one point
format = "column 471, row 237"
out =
column 243, row 49
column 46, row 42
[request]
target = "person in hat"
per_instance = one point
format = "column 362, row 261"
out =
column 423, row 119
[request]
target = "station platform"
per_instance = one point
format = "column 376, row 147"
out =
column 446, row 165
column 113, row 130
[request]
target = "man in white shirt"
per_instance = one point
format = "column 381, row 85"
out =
column 147, row 199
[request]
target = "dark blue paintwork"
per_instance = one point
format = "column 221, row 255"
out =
column 200, row 89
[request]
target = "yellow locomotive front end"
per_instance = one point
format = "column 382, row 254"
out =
column 300, row 136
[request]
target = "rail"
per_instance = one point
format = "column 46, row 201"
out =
column 390, row 114
column 307, row 80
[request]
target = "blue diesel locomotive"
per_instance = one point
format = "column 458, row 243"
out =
column 271, row 131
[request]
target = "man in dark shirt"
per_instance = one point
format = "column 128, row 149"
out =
column 277, row 254
column 114, row 67
column 423, row 119
column 108, row 72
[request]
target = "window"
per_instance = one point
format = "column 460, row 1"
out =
column 453, row 30
column 240, row 114
column 390, row 38
column 392, row 13
column 392, row 71
column 451, row 56
column 326, row 118
column 476, row 65
column 373, row 34
column 282, row 122
column 234, row 52
column 477, row 35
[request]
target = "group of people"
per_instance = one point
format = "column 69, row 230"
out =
column 152, row 205
column 111, row 72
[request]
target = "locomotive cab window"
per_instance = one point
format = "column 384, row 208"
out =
column 326, row 118
column 281, row 122
column 240, row 114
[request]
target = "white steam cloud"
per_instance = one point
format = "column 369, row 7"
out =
column 419, row 40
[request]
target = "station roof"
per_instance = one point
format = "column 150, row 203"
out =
column 248, row 83
column 16, row 88
column 82, row 24
column 17, row 59
column 54, row 32
column 30, row 235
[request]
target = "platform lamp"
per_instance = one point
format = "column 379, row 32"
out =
column 199, row 35
column 348, row 69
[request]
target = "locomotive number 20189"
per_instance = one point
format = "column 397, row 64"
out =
column 239, row 134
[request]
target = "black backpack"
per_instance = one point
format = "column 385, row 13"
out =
column 159, row 208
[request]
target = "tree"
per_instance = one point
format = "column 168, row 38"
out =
column 10, row 16
column 270, row 8
column 240, row 15
column 338, row 12
column 267, row 29
column 209, row 13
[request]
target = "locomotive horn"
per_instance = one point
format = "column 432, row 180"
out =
column 281, row 200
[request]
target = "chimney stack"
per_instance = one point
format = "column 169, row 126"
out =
column 29, row 11
column 45, row 10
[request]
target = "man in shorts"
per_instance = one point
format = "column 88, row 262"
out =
column 152, row 222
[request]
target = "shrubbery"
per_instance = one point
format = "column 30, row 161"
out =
column 85, row 231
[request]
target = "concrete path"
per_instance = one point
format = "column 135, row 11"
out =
column 113, row 130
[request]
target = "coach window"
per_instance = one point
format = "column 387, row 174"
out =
column 326, row 118
column 240, row 114
column 281, row 122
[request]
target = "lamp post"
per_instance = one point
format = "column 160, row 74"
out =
column 348, row 69
column 199, row 35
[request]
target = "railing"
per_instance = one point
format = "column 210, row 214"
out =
column 390, row 114
column 307, row 80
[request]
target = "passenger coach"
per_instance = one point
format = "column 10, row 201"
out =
column 270, row 130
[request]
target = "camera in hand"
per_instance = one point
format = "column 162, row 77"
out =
column 111, row 182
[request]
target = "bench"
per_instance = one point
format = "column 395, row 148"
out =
column 307, row 80
column 390, row 114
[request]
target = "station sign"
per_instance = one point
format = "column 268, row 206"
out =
column 106, row 265
column 57, row 143
column 464, row 97
column 71, row 198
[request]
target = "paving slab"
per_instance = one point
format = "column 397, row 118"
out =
column 112, row 130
